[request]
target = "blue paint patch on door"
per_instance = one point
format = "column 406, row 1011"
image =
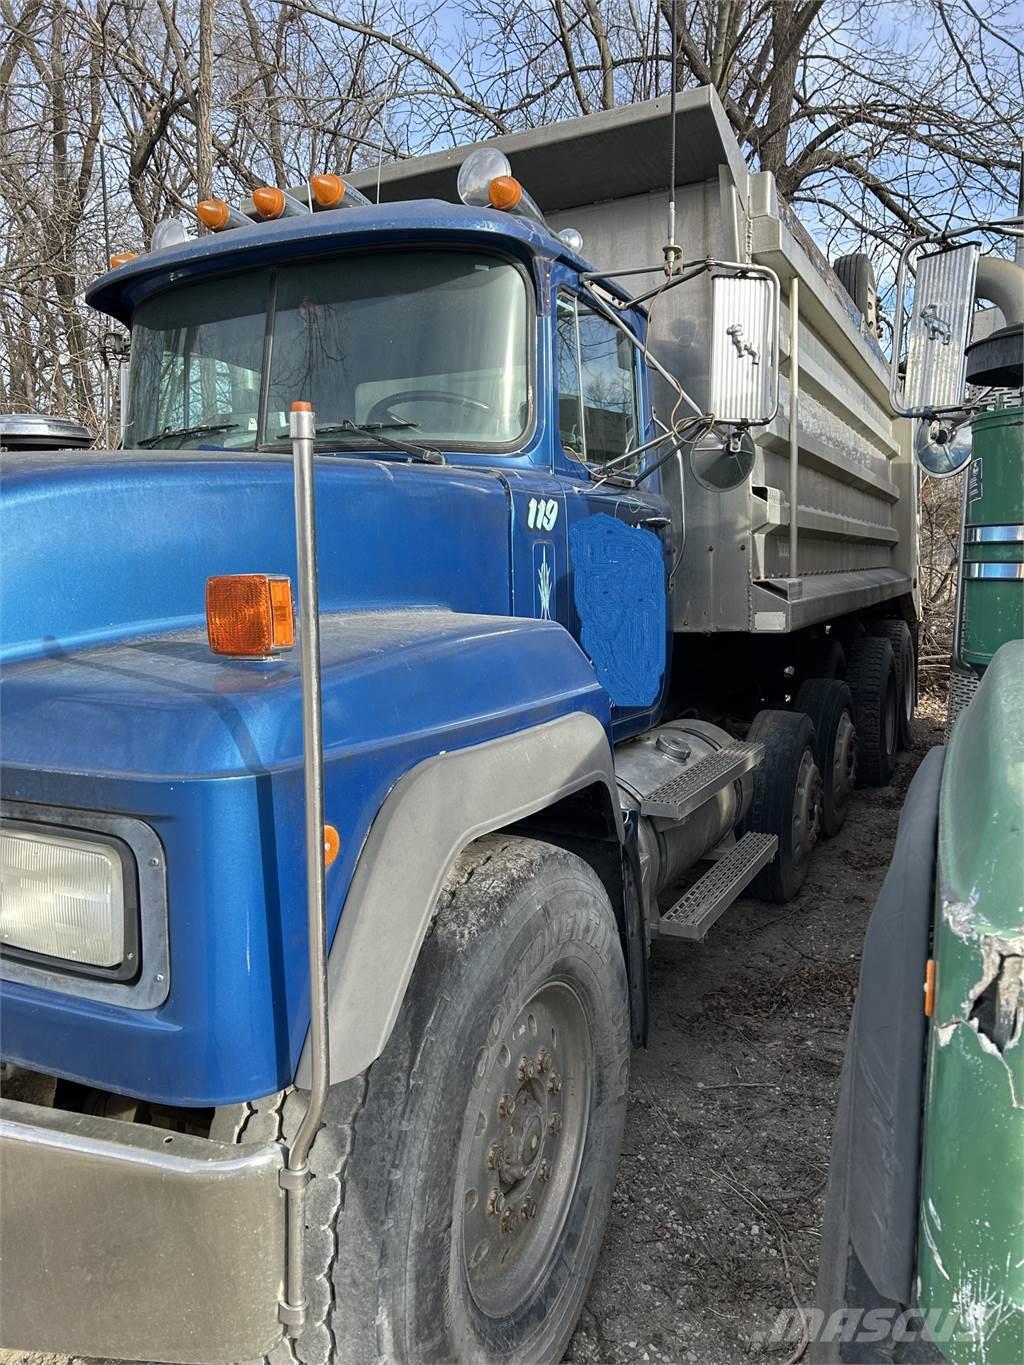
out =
column 619, row 589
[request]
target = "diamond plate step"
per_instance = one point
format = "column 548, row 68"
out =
column 697, row 909
column 680, row 796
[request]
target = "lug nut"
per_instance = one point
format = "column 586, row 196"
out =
column 508, row 1221
column 554, row 1123
column 543, row 1061
column 495, row 1157
column 544, row 1171
column 527, row 1209
column 554, row 1082
column 495, row 1202
column 506, row 1106
column 526, row 1069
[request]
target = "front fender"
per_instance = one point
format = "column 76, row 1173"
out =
column 209, row 754
column 432, row 813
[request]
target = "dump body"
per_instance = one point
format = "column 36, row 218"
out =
column 606, row 175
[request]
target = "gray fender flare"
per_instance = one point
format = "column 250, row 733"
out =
column 426, row 820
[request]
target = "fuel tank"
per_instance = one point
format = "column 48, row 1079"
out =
column 669, row 847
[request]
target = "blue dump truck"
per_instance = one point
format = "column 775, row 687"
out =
column 446, row 604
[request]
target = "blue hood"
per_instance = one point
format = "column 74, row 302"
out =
column 98, row 548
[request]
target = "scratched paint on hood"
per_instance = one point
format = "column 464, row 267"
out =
column 619, row 589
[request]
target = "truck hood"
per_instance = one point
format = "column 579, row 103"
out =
column 96, row 548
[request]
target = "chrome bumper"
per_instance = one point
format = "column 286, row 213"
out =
column 118, row 1240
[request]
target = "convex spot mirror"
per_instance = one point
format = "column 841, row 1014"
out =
column 943, row 447
column 744, row 361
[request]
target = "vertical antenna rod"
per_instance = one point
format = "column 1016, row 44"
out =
column 672, row 252
column 295, row 1177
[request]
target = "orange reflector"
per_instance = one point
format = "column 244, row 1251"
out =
column 332, row 844
column 122, row 258
column 504, row 192
column 328, row 190
column 269, row 201
column 929, row 988
column 214, row 214
column 249, row 615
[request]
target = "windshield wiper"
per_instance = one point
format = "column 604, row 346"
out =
column 183, row 433
column 426, row 454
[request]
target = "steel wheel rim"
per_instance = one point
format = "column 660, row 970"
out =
column 522, row 1148
column 807, row 799
column 844, row 762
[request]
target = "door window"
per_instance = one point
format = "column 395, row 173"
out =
column 597, row 403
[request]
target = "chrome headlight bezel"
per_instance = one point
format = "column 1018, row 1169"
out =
column 142, row 979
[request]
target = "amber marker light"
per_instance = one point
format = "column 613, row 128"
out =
column 328, row 190
column 268, row 201
column 929, row 988
column 249, row 615
column 214, row 214
column 504, row 192
column 332, row 844
column 122, row 258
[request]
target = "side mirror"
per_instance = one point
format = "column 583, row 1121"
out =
column 937, row 333
column 744, row 388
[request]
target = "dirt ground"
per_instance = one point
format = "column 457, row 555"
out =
column 716, row 1215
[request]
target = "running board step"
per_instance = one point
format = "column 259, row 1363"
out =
column 679, row 797
column 697, row 909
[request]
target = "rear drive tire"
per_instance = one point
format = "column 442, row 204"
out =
column 899, row 636
column 786, row 800
column 830, row 706
column 474, row 1187
column 871, row 675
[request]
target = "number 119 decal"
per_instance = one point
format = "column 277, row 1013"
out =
column 542, row 514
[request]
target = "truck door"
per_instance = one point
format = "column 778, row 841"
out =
column 620, row 541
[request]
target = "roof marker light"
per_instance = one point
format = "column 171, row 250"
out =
column 249, row 615
column 122, row 258
column 483, row 165
column 504, row 192
column 332, row 192
column 168, row 232
column 216, row 215
column 272, row 203
column 572, row 238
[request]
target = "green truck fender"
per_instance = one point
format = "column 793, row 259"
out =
column 971, row 1230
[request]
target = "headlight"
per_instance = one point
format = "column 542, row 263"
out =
column 62, row 897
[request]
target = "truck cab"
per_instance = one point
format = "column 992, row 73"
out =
column 367, row 1074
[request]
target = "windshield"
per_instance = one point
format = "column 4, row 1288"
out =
column 430, row 345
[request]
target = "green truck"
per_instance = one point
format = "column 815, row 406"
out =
column 922, row 1255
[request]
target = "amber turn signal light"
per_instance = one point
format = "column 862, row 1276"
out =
column 332, row 844
column 504, row 192
column 328, row 190
column 122, row 258
column 268, row 201
column 249, row 615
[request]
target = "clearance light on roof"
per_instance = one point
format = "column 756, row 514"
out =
column 216, row 215
column 122, row 258
column 331, row 192
column 486, row 181
column 272, row 203
column 249, row 615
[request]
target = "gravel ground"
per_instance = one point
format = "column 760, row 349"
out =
column 716, row 1215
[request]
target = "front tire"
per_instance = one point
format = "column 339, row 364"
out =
column 482, row 1163
column 899, row 636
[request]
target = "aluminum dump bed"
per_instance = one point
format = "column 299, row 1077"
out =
column 606, row 175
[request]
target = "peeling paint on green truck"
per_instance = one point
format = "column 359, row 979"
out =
column 971, row 1243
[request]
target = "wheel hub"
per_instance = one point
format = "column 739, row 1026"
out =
column 844, row 762
column 807, row 799
column 518, row 1171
